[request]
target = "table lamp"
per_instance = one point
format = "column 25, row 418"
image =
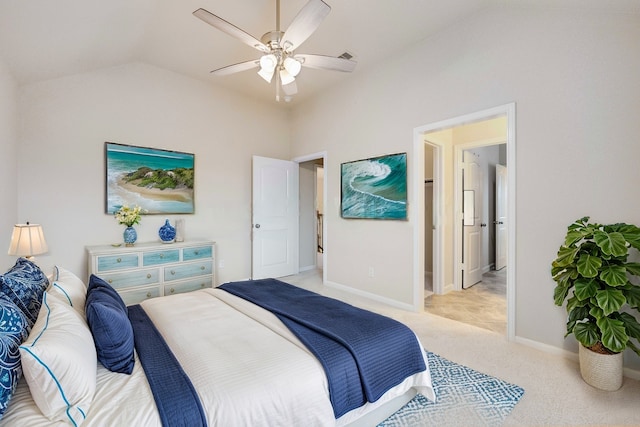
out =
column 27, row 240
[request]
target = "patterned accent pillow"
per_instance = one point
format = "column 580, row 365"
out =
column 13, row 330
column 24, row 284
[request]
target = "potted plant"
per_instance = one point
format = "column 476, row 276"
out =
column 598, row 283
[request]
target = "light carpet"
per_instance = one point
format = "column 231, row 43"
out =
column 464, row 397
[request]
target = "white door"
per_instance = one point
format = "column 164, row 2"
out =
column 501, row 217
column 275, row 218
column 472, row 211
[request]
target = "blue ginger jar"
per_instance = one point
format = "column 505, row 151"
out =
column 167, row 232
column 130, row 236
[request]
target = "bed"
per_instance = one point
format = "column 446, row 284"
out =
column 247, row 368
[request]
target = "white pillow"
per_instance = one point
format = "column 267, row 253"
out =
column 59, row 362
column 69, row 288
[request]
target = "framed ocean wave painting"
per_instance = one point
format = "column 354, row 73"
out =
column 375, row 188
column 159, row 181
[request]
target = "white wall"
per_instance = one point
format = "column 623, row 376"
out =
column 65, row 122
column 8, row 170
column 574, row 78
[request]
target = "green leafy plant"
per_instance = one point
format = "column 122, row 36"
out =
column 594, row 277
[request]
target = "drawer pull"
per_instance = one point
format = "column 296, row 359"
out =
column 161, row 256
column 202, row 268
column 196, row 252
column 119, row 260
column 172, row 290
column 110, row 281
column 173, row 272
column 148, row 276
column 202, row 285
column 148, row 294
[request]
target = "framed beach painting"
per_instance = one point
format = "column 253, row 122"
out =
column 375, row 188
column 159, row 181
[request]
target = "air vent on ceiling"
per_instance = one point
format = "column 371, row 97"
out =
column 346, row 55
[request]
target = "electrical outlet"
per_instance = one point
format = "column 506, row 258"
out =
column 221, row 264
column 372, row 272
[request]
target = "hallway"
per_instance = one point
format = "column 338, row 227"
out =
column 483, row 305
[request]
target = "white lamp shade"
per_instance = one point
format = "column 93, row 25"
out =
column 292, row 66
column 27, row 240
column 266, row 74
column 268, row 62
column 285, row 77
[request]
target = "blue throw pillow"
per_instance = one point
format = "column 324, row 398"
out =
column 110, row 326
column 13, row 331
column 24, row 284
column 97, row 282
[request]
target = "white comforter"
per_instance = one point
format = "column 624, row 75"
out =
column 246, row 374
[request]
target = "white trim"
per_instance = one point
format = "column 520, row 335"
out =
column 373, row 297
column 417, row 217
column 569, row 355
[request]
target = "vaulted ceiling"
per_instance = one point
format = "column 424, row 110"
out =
column 44, row 39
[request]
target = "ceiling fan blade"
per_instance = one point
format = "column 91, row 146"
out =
column 326, row 62
column 304, row 24
column 232, row 30
column 236, row 68
column 290, row 89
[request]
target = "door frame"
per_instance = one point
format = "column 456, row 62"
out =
column 417, row 215
column 306, row 158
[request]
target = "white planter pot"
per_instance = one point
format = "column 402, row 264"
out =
column 602, row 371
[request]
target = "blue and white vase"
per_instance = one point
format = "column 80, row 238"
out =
column 130, row 236
column 167, row 232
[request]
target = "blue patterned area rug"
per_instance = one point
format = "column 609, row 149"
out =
column 464, row 398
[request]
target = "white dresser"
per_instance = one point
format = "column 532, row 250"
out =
column 149, row 270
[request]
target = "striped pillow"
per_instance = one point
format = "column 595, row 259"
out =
column 59, row 362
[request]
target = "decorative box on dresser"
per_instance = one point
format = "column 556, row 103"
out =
column 149, row 270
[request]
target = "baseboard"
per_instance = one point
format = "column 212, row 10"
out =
column 368, row 295
column 628, row 372
column 307, row 268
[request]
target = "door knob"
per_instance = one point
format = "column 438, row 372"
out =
column 483, row 225
column 257, row 225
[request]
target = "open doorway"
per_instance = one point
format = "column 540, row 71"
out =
column 447, row 142
column 482, row 301
column 312, row 241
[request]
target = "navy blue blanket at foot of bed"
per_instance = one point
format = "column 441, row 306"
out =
column 364, row 354
column 177, row 401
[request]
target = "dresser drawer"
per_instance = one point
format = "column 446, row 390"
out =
column 198, row 252
column 188, row 286
column 135, row 296
column 160, row 257
column 132, row 278
column 183, row 271
column 116, row 262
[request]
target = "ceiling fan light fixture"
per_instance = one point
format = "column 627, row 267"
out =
column 292, row 66
column 266, row 74
column 285, row 77
column 268, row 63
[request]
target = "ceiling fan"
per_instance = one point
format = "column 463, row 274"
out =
column 278, row 57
